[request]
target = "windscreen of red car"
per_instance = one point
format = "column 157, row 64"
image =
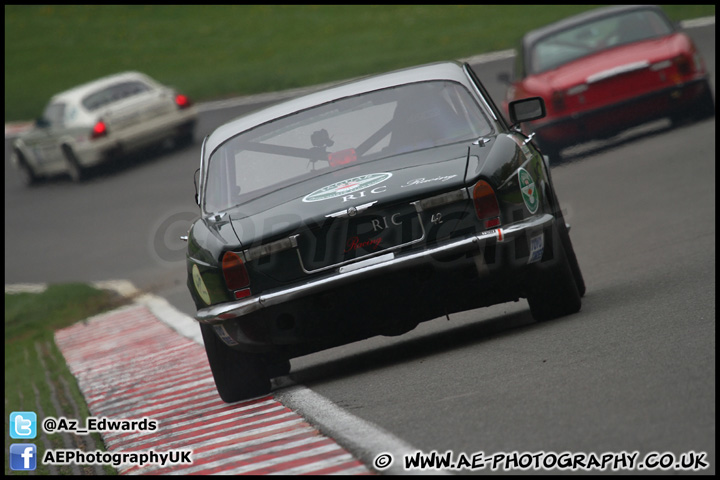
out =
column 586, row 39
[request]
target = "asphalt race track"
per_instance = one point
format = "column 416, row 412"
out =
column 634, row 371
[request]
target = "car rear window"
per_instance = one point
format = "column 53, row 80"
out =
column 114, row 93
column 586, row 39
column 335, row 135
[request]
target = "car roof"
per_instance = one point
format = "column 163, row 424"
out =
column 533, row 36
column 75, row 94
column 448, row 70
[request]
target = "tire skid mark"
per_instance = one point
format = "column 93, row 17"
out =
column 129, row 365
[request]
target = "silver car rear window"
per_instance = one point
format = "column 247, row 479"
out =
column 114, row 93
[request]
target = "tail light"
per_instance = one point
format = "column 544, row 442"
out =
column 99, row 130
column 683, row 64
column 486, row 204
column 236, row 275
column 182, row 101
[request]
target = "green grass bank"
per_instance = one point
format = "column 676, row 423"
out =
column 36, row 376
column 219, row 51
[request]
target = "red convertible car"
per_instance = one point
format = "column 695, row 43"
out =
column 607, row 70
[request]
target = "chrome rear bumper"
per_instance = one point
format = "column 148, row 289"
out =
column 226, row 311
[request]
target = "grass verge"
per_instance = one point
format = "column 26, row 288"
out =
column 36, row 376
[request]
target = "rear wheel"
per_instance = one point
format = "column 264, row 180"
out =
column 278, row 367
column 26, row 171
column 564, row 234
column 237, row 375
column 185, row 136
column 75, row 170
column 706, row 106
column 553, row 291
column 700, row 110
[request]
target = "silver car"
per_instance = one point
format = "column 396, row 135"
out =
column 102, row 120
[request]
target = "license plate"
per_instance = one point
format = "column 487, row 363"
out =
column 373, row 233
column 342, row 240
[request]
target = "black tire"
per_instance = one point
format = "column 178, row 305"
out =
column 551, row 151
column 553, row 291
column 705, row 108
column 184, row 140
column 28, row 175
column 554, row 156
column 564, row 235
column 75, row 170
column 238, row 375
column 278, row 367
column 185, row 136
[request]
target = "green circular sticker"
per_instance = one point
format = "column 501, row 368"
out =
column 529, row 192
column 200, row 285
column 346, row 187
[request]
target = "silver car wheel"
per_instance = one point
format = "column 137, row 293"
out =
column 75, row 171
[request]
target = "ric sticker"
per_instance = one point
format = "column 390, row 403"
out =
column 346, row 187
column 528, row 189
column 200, row 285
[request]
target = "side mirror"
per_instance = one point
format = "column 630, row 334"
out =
column 42, row 122
column 526, row 110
